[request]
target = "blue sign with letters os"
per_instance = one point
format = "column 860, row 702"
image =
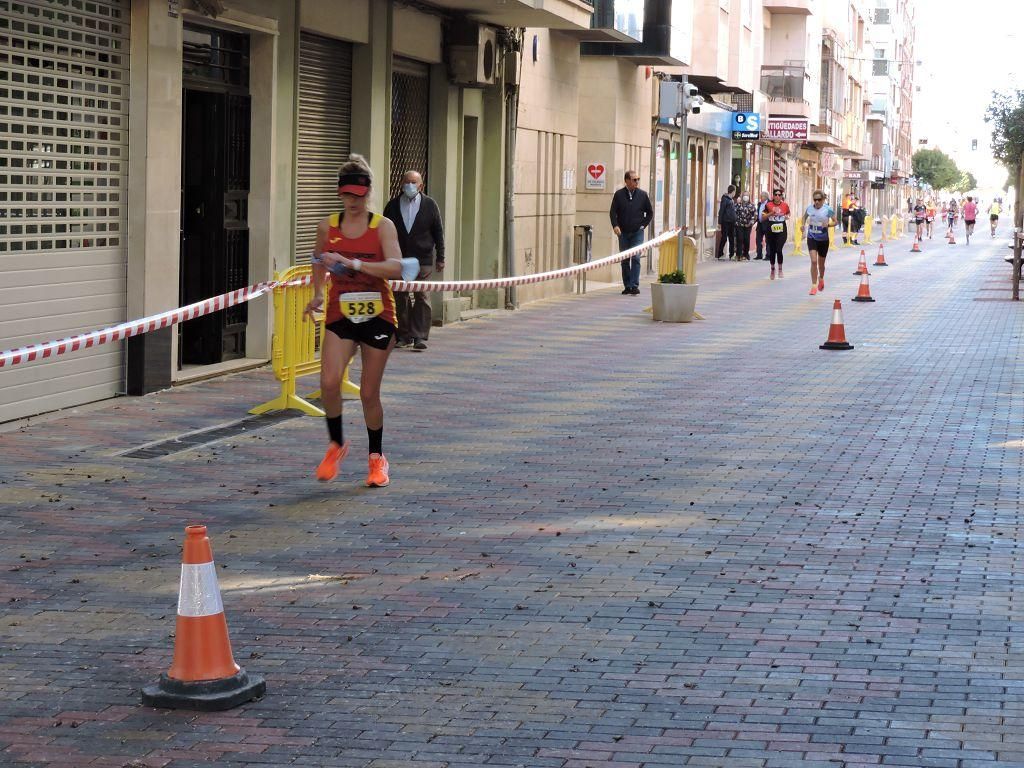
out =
column 746, row 125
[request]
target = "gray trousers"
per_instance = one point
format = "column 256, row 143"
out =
column 413, row 310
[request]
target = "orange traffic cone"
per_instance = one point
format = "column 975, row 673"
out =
column 864, row 292
column 836, row 331
column 862, row 265
column 203, row 674
column 917, row 245
column 880, row 259
column 951, row 240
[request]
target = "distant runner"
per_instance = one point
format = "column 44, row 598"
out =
column 818, row 218
column 776, row 214
column 929, row 217
column 970, row 216
column 920, row 214
column 993, row 216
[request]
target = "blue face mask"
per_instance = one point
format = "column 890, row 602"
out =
column 410, row 190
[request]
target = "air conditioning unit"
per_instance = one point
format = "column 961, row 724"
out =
column 474, row 63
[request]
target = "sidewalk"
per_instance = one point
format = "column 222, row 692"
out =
column 608, row 542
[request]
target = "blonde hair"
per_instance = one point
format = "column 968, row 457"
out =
column 356, row 164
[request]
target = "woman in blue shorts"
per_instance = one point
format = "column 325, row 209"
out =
column 817, row 219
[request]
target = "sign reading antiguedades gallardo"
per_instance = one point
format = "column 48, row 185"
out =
column 786, row 129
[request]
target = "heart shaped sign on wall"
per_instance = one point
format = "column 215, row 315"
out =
column 595, row 178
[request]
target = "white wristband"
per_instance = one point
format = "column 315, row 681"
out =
column 357, row 265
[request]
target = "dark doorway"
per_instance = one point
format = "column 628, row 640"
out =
column 214, row 191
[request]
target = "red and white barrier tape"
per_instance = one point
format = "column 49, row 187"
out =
column 508, row 282
column 136, row 327
column 41, row 351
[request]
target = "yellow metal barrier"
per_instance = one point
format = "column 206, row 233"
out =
column 668, row 261
column 798, row 236
column 294, row 347
column 869, row 226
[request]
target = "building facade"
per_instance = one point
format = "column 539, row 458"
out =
column 159, row 152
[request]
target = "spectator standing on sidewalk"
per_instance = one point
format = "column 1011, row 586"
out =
column 630, row 213
column 421, row 236
column 761, row 233
column 727, row 223
column 746, row 218
column 858, row 215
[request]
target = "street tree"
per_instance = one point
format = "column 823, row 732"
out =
column 967, row 182
column 935, row 167
column 1006, row 115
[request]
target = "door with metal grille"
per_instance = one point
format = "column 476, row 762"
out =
column 216, row 131
column 410, row 120
column 63, row 206
column 325, row 129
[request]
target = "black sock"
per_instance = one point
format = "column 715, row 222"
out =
column 376, row 439
column 334, row 429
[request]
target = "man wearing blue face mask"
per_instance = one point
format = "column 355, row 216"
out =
column 420, row 236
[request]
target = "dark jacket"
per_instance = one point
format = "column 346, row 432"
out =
column 727, row 210
column 427, row 236
column 858, row 216
column 631, row 215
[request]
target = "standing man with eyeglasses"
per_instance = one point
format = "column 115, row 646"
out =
column 630, row 214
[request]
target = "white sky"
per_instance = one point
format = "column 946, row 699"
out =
column 966, row 50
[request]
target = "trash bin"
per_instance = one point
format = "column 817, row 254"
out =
column 582, row 249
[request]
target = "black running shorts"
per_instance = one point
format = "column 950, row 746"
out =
column 376, row 332
column 820, row 247
column 993, row 217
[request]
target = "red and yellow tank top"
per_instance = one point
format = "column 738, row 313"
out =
column 357, row 295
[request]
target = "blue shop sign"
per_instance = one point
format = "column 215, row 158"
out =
column 746, row 125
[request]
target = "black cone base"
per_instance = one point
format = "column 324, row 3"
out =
column 836, row 345
column 862, row 298
column 876, row 264
column 858, row 274
column 206, row 695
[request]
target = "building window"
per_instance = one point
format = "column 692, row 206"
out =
column 882, row 16
column 879, row 67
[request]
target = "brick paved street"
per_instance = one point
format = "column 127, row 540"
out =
column 608, row 543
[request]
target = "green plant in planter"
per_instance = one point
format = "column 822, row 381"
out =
column 678, row 277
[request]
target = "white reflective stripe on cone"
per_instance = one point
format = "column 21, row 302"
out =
column 837, row 317
column 198, row 592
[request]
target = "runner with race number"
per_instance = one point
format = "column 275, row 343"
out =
column 359, row 250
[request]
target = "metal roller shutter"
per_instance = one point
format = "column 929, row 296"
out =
column 325, row 122
column 410, row 119
column 63, row 201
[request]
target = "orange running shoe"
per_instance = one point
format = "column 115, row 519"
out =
column 813, row 291
column 328, row 469
column 821, row 284
column 378, row 474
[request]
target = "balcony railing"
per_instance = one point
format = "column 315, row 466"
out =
column 830, row 123
column 784, row 83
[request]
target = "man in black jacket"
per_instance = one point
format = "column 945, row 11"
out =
column 727, row 223
column 421, row 236
column 630, row 213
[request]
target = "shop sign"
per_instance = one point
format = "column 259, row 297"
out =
column 746, row 125
column 786, row 129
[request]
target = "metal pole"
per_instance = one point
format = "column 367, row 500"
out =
column 681, row 164
column 1018, row 231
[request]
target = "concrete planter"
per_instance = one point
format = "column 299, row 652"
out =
column 674, row 302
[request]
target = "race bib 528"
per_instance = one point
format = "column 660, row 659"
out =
column 361, row 306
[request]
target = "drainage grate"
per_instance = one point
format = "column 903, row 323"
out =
column 190, row 440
